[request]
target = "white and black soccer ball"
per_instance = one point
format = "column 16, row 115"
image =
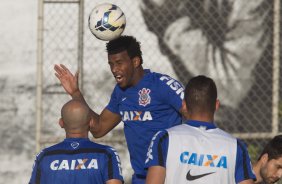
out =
column 106, row 21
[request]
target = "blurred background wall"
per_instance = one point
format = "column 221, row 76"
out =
column 17, row 89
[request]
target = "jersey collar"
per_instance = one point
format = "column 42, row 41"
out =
column 200, row 124
column 145, row 77
column 146, row 71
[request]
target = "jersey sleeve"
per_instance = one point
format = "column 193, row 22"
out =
column 172, row 91
column 113, row 104
column 113, row 169
column 157, row 151
column 35, row 168
column 244, row 170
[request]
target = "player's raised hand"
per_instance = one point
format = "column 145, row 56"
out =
column 67, row 79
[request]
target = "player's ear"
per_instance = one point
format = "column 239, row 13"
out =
column 217, row 105
column 61, row 123
column 264, row 158
column 184, row 110
column 136, row 61
column 184, row 106
column 91, row 123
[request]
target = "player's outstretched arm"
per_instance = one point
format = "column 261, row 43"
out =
column 156, row 175
column 69, row 82
column 103, row 123
column 67, row 79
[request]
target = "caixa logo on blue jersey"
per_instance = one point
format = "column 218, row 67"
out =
column 136, row 115
column 203, row 160
column 74, row 164
column 174, row 85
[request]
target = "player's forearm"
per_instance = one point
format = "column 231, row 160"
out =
column 95, row 127
column 97, row 131
column 77, row 95
column 97, row 134
column 99, row 127
column 104, row 122
column 156, row 175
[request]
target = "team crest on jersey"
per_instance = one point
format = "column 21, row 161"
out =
column 144, row 97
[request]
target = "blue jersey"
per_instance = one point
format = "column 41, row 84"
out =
column 76, row 160
column 151, row 105
column 198, row 156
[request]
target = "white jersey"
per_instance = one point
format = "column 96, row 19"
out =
column 198, row 155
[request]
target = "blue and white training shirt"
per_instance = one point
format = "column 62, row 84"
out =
column 151, row 105
column 199, row 152
column 76, row 160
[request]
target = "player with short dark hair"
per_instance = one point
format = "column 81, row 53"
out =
column 128, row 43
column 197, row 151
column 77, row 159
column 202, row 96
column 145, row 101
column 268, row 168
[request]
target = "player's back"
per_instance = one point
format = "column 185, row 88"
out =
column 197, row 155
column 76, row 160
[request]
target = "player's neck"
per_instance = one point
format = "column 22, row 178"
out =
column 201, row 117
column 256, row 169
column 138, row 75
column 77, row 135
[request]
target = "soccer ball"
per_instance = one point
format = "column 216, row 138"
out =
column 106, row 21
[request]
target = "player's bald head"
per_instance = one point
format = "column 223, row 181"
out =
column 76, row 116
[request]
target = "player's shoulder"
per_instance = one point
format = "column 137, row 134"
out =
column 162, row 78
column 116, row 88
column 117, row 92
column 103, row 148
column 225, row 134
column 57, row 146
column 46, row 151
column 50, row 148
column 181, row 129
column 241, row 144
column 160, row 134
column 166, row 82
column 177, row 128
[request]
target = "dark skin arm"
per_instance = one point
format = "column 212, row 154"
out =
column 102, row 123
column 113, row 181
column 250, row 181
column 156, row 175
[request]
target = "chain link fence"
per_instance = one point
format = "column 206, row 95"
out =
column 231, row 41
